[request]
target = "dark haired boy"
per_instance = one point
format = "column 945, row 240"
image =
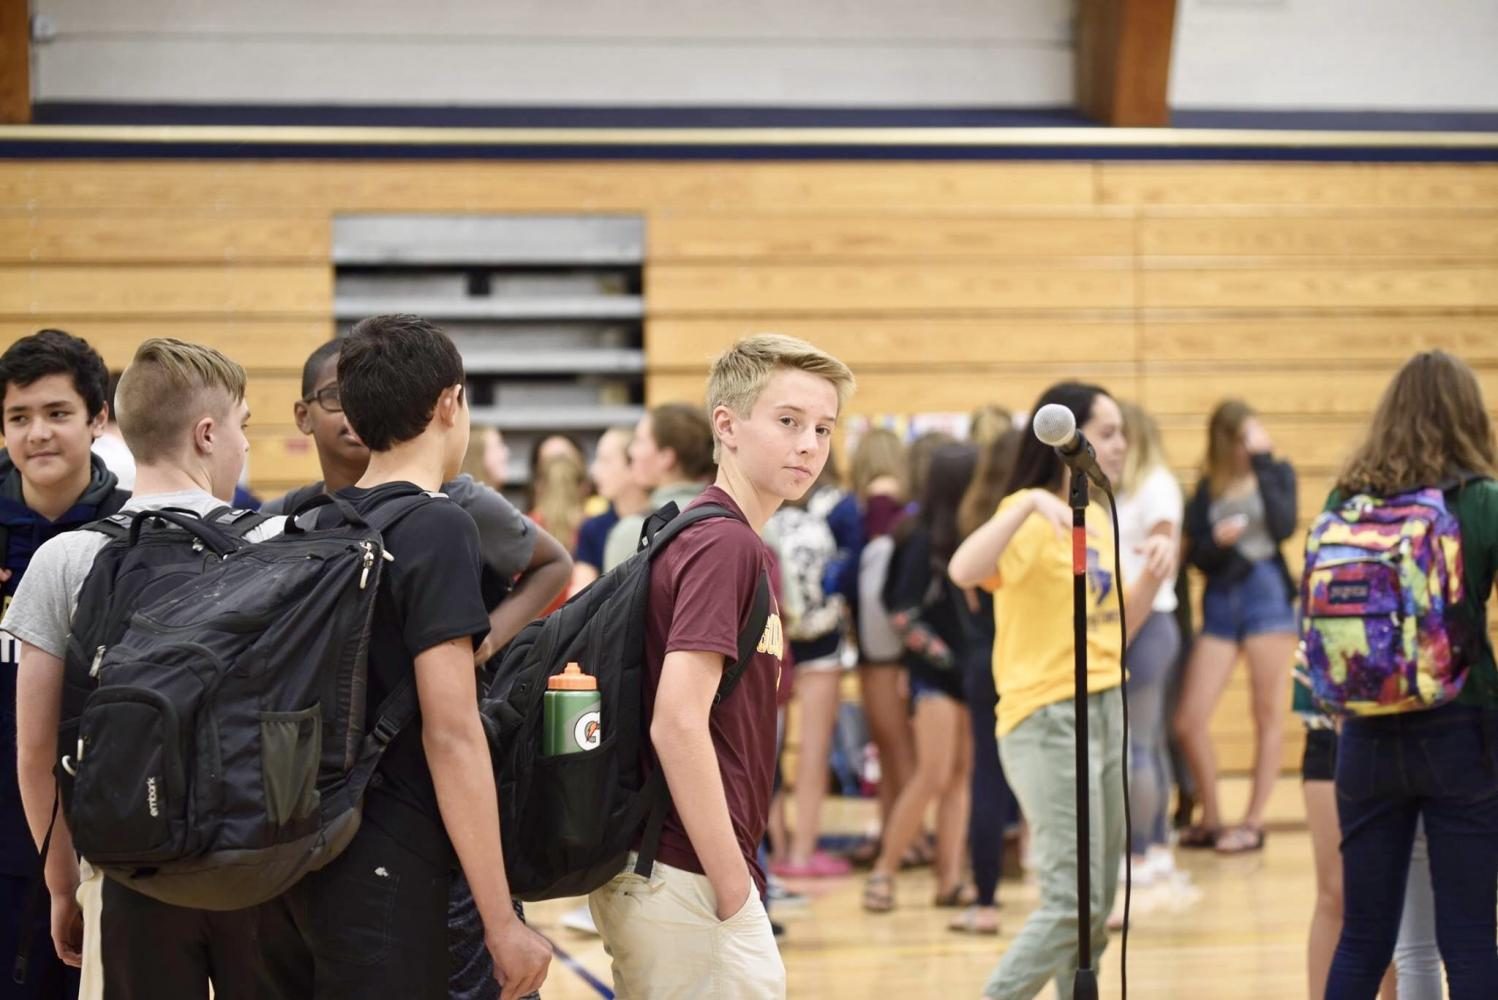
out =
column 524, row 568
column 52, row 388
column 374, row 922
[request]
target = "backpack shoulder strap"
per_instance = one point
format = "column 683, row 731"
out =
column 665, row 524
column 749, row 638
column 116, row 527
column 394, row 508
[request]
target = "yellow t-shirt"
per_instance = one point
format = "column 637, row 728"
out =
column 1033, row 651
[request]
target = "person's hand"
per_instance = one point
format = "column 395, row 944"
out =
column 521, row 958
column 485, row 651
column 1052, row 508
column 1227, row 531
column 1255, row 438
column 1159, row 554
column 67, row 929
column 5, row 576
column 733, row 897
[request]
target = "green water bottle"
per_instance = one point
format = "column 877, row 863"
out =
column 572, row 712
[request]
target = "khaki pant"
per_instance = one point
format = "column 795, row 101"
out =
column 666, row 941
column 90, row 898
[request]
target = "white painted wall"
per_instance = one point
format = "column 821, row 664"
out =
column 1340, row 55
column 865, row 53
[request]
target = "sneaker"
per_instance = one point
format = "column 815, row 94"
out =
column 782, row 898
column 580, row 921
column 819, row 865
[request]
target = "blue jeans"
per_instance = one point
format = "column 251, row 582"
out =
column 1151, row 660
column 1440, row 766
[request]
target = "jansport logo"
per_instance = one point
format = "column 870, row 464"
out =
column 151, row 802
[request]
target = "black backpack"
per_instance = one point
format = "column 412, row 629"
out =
column 223, row 754
column 568, row 822
column 149, row 554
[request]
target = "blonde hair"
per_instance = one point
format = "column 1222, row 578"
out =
column 1145, row 453
column 880, row 453
column 559, row 488
column 989, row 423
column 1224, row 437
column 1431, row 424
column 169, row 386
column 740, row 373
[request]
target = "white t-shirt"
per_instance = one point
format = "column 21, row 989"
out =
column 1157, row 498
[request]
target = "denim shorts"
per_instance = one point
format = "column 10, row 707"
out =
column 1254, row 605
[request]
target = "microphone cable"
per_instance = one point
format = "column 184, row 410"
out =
column 1123, row 676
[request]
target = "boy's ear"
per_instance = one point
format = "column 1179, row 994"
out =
column 301, row 413
column 725, row 424
column 101, row 420
column 449, row 405
column 203, row 434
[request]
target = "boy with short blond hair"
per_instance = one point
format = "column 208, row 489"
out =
column 700, row 929
column 182, row 410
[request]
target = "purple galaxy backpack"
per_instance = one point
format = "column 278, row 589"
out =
column 1381, row 575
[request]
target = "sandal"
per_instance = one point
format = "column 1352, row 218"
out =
column 865, row 852
column 958, row 896
column 1199, row 838
column 879, row 893
column 1240, row 840
column 982, row 920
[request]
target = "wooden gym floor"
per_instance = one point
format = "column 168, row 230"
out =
column 1243, row 935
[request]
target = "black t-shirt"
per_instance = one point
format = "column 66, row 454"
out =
column 429, row 595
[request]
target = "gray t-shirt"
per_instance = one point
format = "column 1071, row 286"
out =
column 507, row 538
column 624, row 537
column 1256, row 543
column 41, row 612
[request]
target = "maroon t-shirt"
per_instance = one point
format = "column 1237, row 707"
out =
column 701, row 594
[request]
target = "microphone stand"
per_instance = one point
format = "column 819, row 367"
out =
column 1084, row 986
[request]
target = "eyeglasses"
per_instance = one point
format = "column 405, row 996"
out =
column 326, row 397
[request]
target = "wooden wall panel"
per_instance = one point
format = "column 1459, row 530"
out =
column 1299, row 286
column 881, row 342
column 1308, row 289
column 258, row 344
column 1408, row 234
column 684, row 289
column 149, row 237
column 918, row 237
column 165, row 291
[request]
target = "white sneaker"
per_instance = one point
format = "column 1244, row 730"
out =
column 580, row 921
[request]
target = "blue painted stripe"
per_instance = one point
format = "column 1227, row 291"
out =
column 59, row 149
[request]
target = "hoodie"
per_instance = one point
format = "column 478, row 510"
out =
column 22, row 532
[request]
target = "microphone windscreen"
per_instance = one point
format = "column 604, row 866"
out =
column 1054, row 424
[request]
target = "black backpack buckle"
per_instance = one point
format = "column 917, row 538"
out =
column 386, row 730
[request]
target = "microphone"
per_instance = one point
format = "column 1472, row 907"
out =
column 1056, row 426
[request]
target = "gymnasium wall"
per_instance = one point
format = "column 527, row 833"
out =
column 670, row 53
column 1300, row 287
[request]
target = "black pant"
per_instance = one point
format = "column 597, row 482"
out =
column 994, row 806
column 154, row 951
column 46, row 977
column 372, row 924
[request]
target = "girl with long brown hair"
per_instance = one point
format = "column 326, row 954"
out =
column 1438, row 766
column 1243, row 510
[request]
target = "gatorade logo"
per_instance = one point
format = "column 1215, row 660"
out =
column 588, row 732
column 772, row 641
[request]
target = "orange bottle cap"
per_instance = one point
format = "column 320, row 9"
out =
column 572, row 679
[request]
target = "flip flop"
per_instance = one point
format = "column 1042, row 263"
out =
column 1240, row 840
column 879, row 893
column 1199, row 838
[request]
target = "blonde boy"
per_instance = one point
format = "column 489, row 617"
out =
column 697, row 928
